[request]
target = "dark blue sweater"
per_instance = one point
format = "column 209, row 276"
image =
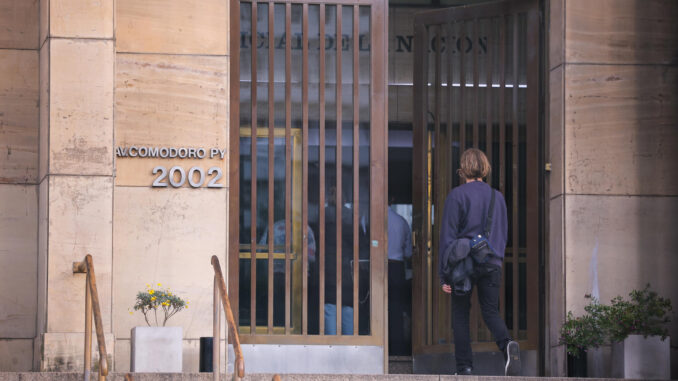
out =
column 464, row 216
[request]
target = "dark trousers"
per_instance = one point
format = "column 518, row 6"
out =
column 487, row 281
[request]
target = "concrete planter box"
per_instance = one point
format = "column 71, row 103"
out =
column 156, row 349
column 642, row 358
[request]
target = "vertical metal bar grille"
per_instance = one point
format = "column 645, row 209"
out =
column 430, row 287
column 280, row 35
column 532, row 166
column 356, row 169
column 462, row 87
column 419, row 331
column 437, row 168
column 423, row 96
column 304, row 171
column 502, row 129
column 234, row 164
column 288, row 161
column 339, row 200
column 321, row 239
column 449, row 28
column 514, row 182
column 476, row 84
column 502, row 104
column 253, row 197
column 488, row 98
column 271, row 160
column 475, row 308
column 378, row 153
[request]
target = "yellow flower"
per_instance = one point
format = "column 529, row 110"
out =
column 151, row 291
column 148, row 285
column 130, row 312
column 153, row 299
column 159, row 285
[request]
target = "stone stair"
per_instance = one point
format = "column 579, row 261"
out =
column 46, row 376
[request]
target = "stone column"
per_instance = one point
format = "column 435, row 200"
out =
column 19, row 97
column 75, row 172
column 613, row 78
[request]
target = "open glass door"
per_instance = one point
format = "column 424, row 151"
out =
column 476, row 84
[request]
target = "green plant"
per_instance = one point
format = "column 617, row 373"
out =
column 646, row 313
column 151, row 300
column 581, row 333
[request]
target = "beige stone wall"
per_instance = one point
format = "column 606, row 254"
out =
column 76, row 81
column 19, row 125
column 75, row 172
column 171, row 90
column 613, row 134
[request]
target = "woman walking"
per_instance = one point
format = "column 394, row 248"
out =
column 472, row 211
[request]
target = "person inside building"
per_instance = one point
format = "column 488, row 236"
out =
column 279, row 228
column 476, row 210
column 331, row 249
column 399, row 252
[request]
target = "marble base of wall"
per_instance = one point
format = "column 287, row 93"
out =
column 64, row 352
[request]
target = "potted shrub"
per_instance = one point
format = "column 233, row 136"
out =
column 637, row 329
column 156, row 347
column 579, row 334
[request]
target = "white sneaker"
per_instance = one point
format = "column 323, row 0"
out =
column 512, row 356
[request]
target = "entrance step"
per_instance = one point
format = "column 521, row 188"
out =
column 400, row 365
column 46, row 376
column 484, row 363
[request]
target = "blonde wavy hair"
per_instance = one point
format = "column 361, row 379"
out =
column 474, row 164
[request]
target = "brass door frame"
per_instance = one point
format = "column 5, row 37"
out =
column 432, row 25
column 378, row 167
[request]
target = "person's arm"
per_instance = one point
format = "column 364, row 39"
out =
column 503, row 220
column 407, row 242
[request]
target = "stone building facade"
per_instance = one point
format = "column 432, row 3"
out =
column 81, row 80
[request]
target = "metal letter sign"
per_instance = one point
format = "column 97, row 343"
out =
column 177, row 176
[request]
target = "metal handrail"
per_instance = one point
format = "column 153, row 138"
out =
column 92, row 305
column 220, row 295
